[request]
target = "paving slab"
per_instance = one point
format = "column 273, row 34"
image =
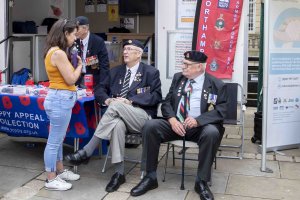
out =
column 232, row 197
column 231, row 130
column 2, row 135
column 161, row 193
column 291, row 152
column 193, row 195
column 39, row 198
column 117, row 195
column 290, row 170
column 263, row 187
column 249, row 147
column 248, row 133
column 284, row 158
column 2, row 192
column 14, row 177
column 86, row 188
column 126, row 187
column 18, row 155
column 269, row 156
column 246, row 167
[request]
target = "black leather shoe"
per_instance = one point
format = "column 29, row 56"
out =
column 144, row 186
column 78, row 157
column 116, row 180
column 203, row 190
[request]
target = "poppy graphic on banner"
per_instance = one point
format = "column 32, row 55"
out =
column 216, row 31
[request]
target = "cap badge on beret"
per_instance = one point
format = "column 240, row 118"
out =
column 129, row 41
column 195, row 56
column 188, row 55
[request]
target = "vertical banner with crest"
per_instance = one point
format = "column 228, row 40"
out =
column 216, row 30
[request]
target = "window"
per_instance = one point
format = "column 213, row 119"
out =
column 252, row 15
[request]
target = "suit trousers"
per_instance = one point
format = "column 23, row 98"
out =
column 118, row 119
column 208, row 138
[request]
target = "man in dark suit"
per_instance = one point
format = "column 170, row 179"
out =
column 93, row 53
column 198, row 118
column 132, row 97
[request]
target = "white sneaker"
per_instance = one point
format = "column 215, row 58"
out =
column 69, row 176
column 57, row 184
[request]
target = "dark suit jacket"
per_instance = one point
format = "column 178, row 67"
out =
column 211, row 85
column 96, row 47
column 146, row 76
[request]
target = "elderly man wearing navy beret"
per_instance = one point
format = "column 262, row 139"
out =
column 194, row 108
column 132, row 97
column 92, row 50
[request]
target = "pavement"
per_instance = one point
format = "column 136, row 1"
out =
column 22, row 173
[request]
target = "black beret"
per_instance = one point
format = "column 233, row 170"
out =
column 195, row 56
column 134, row 43
column 82, row 20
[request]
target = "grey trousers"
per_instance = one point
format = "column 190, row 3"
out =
column 118, row 119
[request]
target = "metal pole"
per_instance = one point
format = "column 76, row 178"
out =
column 265, row 86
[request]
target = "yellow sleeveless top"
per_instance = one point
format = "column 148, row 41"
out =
column 56, row 80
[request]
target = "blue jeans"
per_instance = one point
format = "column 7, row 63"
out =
column 58, row 105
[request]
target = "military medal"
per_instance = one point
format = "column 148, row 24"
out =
column 220, row 23
column 211, row 107
column 217, row 44
column 212, row 99
column 214, row 65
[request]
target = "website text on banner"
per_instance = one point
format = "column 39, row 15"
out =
column 216, row 30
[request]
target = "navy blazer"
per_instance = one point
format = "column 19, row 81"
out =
column 211, row 85
column 96, row 47
column 146, row 79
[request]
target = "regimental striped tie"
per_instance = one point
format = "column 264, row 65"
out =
column 125, row 87
column 189, row 92
column 181, row 114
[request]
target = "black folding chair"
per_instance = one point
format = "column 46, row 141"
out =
column 235, row 105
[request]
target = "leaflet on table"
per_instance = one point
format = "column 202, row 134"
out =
column 36, row 90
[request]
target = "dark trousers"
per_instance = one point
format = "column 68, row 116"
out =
column 207, row 137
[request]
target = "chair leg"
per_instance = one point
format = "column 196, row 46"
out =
column 104, row 165
column 173, row 152
column 166, row 162
column 215, row 161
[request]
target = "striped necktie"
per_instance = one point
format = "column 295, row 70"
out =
column 81, row 49
column 189, row 92
column 125, row 86
column 181, row 114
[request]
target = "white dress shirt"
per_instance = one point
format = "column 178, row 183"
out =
column 133, row 72
column 195, row 99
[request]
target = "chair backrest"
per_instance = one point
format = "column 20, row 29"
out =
column 232, row 103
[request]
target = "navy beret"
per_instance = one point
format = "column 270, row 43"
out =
column 134, row 43
column 82, row 20
column 195, row 56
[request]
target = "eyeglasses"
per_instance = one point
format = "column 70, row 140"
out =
column 130, row 49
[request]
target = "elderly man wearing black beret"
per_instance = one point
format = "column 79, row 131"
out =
column 132, row 97
column 92, row 50
column 199, row 119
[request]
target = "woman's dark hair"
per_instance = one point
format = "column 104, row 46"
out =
column 57, row 37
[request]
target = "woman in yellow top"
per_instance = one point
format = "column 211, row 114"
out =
column 60, row 100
